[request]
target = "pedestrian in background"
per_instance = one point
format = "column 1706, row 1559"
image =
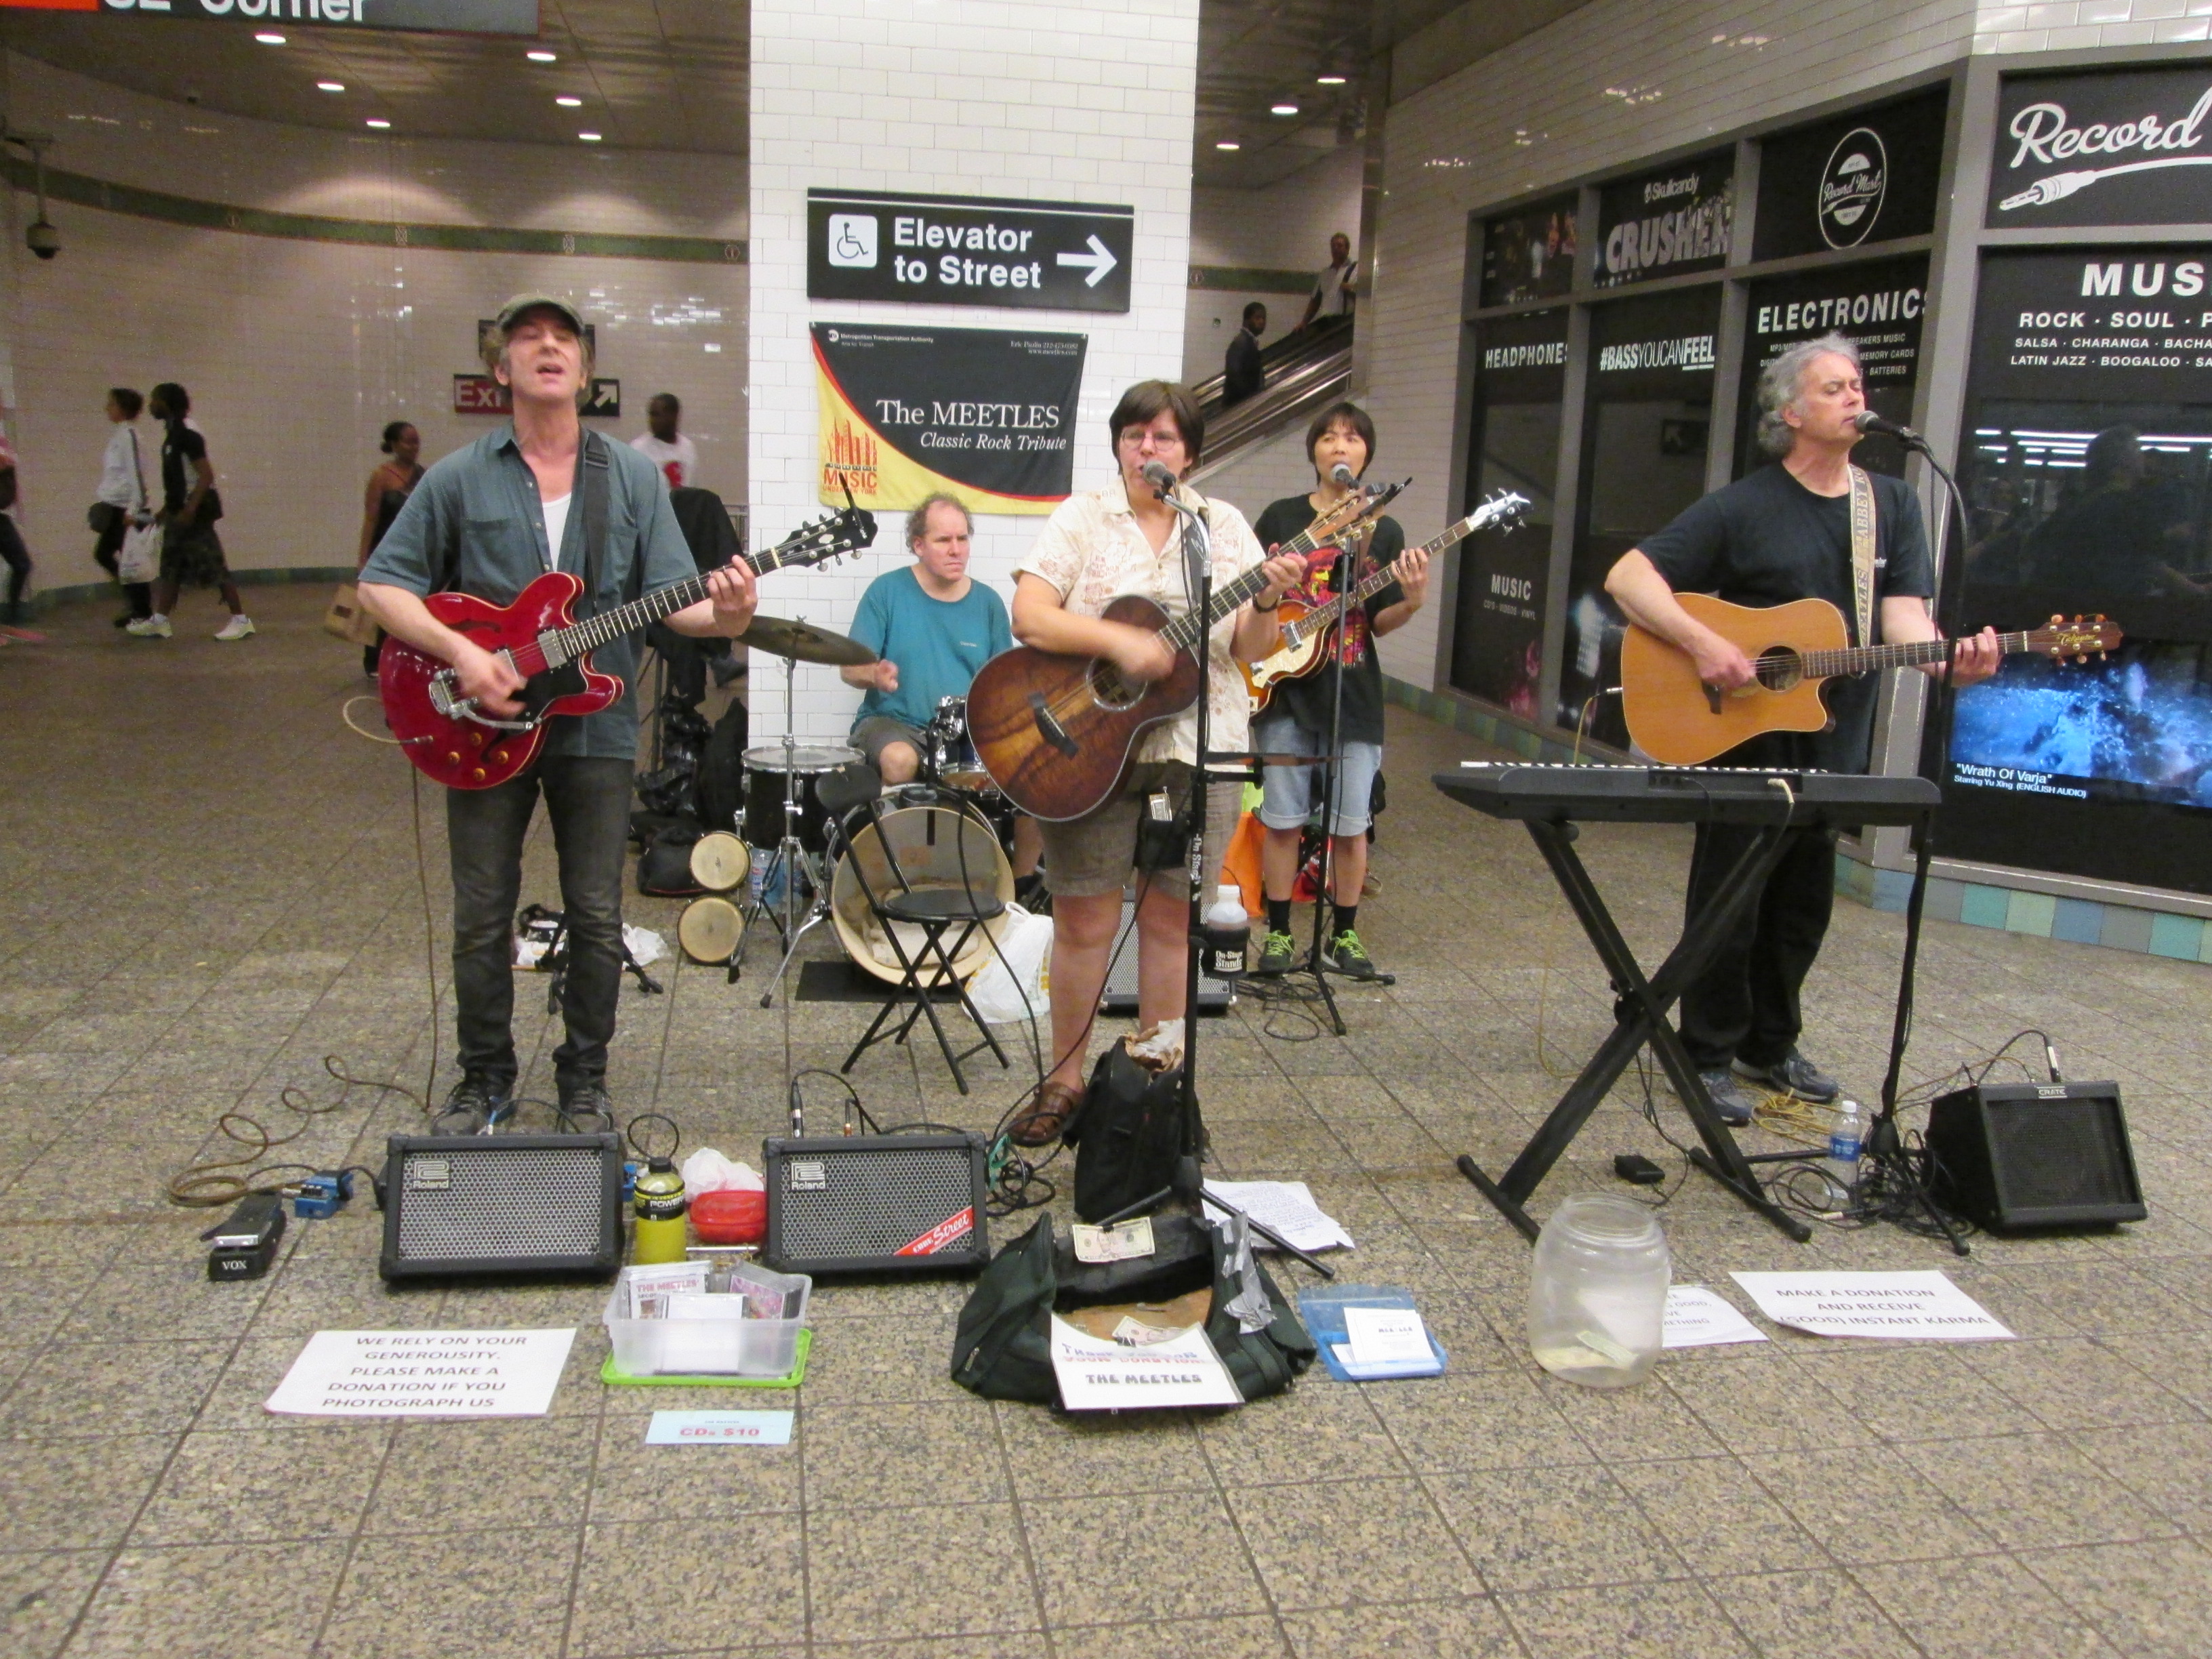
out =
column 1241, row 371
column 121, row 499
column 389, row 486
column 191, row 553
column 664, row 446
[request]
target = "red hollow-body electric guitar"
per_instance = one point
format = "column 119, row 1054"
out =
column 452, row 744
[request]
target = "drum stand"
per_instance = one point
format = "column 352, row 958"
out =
column 791, row 859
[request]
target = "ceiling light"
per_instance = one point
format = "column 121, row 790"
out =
column 1328, row 81
column 1283, row 109
column 1227, row 143
column 330, row 86
column 542, row 57
column 270, row 39
column 378, row 125
column 570, row 103
column 589, row 137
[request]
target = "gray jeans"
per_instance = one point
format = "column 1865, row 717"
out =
column 588, row 801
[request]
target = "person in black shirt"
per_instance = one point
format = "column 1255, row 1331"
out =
column 1783, row 533
column 1297, row 719
column 1241, row 372
column 191, row 553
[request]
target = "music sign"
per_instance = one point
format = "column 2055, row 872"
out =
column 2132, row 147
column 967, row 250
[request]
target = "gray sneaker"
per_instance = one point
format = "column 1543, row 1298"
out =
column 1735, row 1102
column 1278, row 954
column 476, row 1106
column 1793, row 1074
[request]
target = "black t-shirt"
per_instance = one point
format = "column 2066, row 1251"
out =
column 1766, row 539
column 1308, row 701
column 179, row 446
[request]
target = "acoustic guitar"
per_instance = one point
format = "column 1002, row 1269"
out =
column 1307, row 644
column 1678, row 720
column 1055, row 732
column 451, row 743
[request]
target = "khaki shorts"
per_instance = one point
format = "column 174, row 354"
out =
column 1089, row 856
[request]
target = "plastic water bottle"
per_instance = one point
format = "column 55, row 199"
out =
column 1228, row 930
column 761, row 857
column 658, row 1203
column 1846, row 1138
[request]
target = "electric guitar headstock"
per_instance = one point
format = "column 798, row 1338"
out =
column 2077, row 640
column 1337, row 524
column 821, row 541
column 1501, row 510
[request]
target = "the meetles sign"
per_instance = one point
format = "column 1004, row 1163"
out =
column 967, row 250
column 987, row 417
column 426, row 17
column 2131, row 147
column 1677, row 218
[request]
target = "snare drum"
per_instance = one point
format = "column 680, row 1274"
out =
column 763, row 823
column 951, row 759
column 720, row 861
column 709, row 928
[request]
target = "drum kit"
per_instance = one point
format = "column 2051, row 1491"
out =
column 954, row 830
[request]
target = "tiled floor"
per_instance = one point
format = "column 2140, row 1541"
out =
column 211, row 884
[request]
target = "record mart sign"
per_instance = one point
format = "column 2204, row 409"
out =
column 2128, row 147
column 986, row 416
column 426, row 17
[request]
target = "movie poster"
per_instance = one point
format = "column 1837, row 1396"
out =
column 985, row 415
column 1530, row 253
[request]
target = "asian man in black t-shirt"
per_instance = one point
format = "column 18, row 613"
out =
column 1783, row 533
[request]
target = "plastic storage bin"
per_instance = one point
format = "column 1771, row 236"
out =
column 715, row 1347
column 1597, row 1292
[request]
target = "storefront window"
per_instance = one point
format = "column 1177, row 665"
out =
column 1878, row 306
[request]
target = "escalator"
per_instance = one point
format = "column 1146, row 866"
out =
column 1305, row 370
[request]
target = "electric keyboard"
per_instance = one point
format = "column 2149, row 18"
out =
column 1686, row 794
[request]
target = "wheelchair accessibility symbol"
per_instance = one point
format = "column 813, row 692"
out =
column 853, row 240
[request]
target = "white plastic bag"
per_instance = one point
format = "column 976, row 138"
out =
column 708, row 1172
column 1026, row 946
column 139, row 558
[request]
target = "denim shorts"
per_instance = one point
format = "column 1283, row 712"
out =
column 1292, row 792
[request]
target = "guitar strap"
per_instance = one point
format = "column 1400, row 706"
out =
column 1862, row 552
column 592, row 470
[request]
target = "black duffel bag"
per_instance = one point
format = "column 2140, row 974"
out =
column 1003, row 1347
column 664, row 859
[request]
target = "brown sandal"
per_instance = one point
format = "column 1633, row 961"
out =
column 1047, row 1114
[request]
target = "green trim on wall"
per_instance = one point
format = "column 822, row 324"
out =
column 271, row 576
column 1244, row 279
column 85, row 191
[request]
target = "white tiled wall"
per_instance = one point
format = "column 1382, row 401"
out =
column 1036, row 98
column 1612, row 81
column 296, row 353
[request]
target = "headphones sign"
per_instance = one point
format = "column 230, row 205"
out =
column 422, row 16
column 969, row 251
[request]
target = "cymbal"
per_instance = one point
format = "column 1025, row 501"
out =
column 780, row 636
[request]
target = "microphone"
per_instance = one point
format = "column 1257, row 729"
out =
column 1155, row 474
column 1341, row 475
column 1869, row 423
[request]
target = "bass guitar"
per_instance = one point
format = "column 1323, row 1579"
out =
column 1055, row 732
column 1678, row 720
column 1306, row 645
column 451, row 743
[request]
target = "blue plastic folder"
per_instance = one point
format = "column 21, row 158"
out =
column 1323, row 1308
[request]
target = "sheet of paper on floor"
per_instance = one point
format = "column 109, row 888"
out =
column 1698, row 1318
column 1095, row 1376
column 719, row 1429
column 425, row 1374
column 1910, row 1306
column 1288, row 1206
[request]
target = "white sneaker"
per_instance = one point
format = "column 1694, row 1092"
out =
column 150, row 627
column 236, row 628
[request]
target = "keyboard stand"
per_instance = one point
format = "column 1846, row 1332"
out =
column 1640, row 1016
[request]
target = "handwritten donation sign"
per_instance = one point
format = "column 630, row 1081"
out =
column 1097, row 1376
column 1696, row 1318
column 1913, row 1306
column 719, row 1429
column 425, row 1374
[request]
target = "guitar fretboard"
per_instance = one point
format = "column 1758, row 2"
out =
column 1325, row 616
column 1183, row 632
column 1861, row 659
column 567, row 644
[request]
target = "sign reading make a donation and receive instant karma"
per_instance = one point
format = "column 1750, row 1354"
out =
column 967, row 250
column 984, row 416
column 423, row 16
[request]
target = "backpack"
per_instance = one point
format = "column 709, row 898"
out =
column 1002, row 1349
column 1127, row 1136
column 664, row 859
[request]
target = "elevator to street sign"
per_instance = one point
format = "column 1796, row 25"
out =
column 967, row 250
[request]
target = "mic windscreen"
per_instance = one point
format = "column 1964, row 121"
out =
column 1867, row 421
column 1340, row 473
column 1157, row 475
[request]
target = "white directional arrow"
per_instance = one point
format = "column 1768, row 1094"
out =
column 1101, row 260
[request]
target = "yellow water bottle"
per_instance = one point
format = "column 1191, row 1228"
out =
column 660, row 1207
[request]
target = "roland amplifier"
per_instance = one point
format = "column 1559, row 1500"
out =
column 517, row 1205
column 873, row 1204
column 2034, row 1155
column 1119, row 998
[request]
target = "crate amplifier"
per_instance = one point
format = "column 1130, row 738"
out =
column 511, row 1205
column 893, row 1203
column 2034, row 1155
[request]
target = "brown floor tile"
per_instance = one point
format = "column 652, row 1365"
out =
column 1548, row 1529
column 633, row 1481
column 1320, row 1431
column 2033, row 1491
column 2165, row 1466
column 1333, row 1543
column 1059, row 1456
column 524, row 1471
column 1474, row 1420
column 75, row 1493
column 686, row 1586
column 112, row 1387
column 1868, row 1504
column 1624, row 1622
column 1818, row 1614
column 2075, row 1383
column 1717, row 1517
column 862, row 1583
column 502, row 1595
column 228, row 1486
column 1255, row 1637
column 1178, row 1554
column 2148, row 1599
column 1467, row 1629
column 251, row 1601
column 863, row 1455
column 1970, row 1609
column 40, row 1597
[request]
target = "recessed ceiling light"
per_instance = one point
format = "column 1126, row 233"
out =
column 269, row 39
column 589, row 137
column 1283, row 109
column 1328, row 80
column 378, row 125
column 713, row 346
column 1227, row 143
column 542, row 57
column 330, row 86
column 570, row 103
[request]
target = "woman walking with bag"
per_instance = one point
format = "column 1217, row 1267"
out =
column 121, row 499
column 389, row 486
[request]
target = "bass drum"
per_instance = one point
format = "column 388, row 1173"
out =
column 720, row 861
column 936, row 848
column 708, row 930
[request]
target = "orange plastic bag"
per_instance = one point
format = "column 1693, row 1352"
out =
column 1240, row 864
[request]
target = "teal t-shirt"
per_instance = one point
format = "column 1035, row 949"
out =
column 938, row 645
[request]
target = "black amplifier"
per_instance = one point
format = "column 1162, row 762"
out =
column 895, row 1203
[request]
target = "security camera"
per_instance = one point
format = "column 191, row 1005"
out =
column 43, row 240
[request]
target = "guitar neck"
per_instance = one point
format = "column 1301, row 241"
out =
column 1861, row 659
column 604, row 629
column 1376, row 580
column 1183, row 632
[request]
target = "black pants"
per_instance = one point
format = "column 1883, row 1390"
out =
column 140, row 595
column 1745, row 1004
column 588, row 801
column 17, row 558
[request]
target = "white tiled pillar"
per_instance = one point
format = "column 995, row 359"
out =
column 1040, row 99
